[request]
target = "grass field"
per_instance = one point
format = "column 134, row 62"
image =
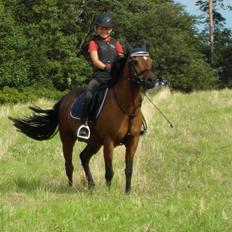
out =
column 182, row 178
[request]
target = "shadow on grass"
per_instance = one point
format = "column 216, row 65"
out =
column 34, row 186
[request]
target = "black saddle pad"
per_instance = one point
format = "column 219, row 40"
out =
column 96, row 106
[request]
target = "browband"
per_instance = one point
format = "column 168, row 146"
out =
column 140, row 53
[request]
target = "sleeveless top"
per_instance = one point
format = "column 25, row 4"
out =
column 107, row 50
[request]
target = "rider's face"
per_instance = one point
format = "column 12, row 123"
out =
column 104, row 32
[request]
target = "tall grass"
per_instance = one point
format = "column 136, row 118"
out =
column 182, row 178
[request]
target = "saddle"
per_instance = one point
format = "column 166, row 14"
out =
column 95, row 108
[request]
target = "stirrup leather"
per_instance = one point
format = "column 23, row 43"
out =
column 85, row 127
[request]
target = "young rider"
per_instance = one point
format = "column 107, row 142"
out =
column 103, row 51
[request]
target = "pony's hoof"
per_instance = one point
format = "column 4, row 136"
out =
column 70, row 183
column 91, row 186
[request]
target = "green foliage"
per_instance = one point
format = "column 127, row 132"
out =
column 51, row 32
column 173, row 45
column 223, row 56
column 42, row 40
column 13, row 66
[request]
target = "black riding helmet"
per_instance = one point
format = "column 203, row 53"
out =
column 104, row 20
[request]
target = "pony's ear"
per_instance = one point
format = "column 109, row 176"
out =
column 144, row 45
column 129, row 48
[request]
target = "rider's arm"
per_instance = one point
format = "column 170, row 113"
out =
column 96, row 62
column 93, row 52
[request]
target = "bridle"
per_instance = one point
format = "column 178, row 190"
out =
column 136, row 77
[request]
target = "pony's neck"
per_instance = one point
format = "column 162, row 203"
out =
column 128, row 95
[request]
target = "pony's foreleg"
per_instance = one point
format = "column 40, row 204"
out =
column 68, row 143
column 108, row 156
column 85, row 157
column 130, row 152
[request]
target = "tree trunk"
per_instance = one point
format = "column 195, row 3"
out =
column 211, row 30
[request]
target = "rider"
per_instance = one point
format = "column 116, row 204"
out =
column 103, row 50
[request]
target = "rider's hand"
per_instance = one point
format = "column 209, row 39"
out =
column 107, row 68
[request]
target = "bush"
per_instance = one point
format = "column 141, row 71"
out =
column 10, row 95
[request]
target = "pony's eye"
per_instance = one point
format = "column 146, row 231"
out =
column 134, row 62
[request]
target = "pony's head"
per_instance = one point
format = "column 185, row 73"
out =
column 137, row 64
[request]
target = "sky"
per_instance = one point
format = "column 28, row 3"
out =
column 194, row 10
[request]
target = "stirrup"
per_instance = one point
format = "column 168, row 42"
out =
column 85, row 127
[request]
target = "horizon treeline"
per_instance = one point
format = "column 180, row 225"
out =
column 41, row 40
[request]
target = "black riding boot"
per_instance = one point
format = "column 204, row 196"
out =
column 84, row 112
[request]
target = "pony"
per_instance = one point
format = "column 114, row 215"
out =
column 119, row 122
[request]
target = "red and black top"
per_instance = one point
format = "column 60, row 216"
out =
column 108, row 49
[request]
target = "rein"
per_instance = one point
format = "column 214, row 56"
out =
column 130, row 115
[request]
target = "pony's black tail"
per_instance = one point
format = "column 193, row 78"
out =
column 41, row 125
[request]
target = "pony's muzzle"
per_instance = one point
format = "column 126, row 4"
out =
column 149, row 83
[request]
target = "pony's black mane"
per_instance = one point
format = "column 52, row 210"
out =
column 116, row 70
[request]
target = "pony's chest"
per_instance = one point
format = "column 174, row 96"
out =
column 130, row 128
column 118, row 130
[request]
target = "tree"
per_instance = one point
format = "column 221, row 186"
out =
column 170, row 35
column 54, row 31
column 211, row 30
column 220, row 50
column 223, row 47
column 13, row 66
column 213, row 18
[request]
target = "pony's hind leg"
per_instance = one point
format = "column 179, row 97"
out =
column 68, row 144
column 85, row 157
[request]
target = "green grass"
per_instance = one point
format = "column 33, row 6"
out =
column 182, row 178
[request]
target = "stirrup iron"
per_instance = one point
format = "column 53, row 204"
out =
column 85, row 127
